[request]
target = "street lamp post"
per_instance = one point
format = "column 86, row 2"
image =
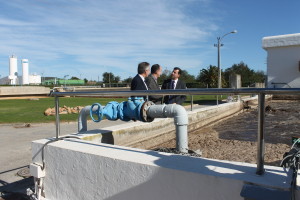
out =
column 65, row 76
column 219, row 45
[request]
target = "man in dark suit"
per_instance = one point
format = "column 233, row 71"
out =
column 152, row 84
column 138, row 82
column 173, row 84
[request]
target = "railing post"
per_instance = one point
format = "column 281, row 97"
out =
column 192, row 100
column 260, row 134
column 57, row 122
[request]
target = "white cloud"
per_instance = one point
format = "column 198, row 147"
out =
column 81, row 36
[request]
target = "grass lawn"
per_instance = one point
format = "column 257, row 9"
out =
column 26, row 111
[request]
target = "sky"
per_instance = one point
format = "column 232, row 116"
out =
column 85, row 38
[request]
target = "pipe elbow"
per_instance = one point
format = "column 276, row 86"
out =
column 82, row 118
column 179, row 114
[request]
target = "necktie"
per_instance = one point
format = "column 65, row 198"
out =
column 146, row 84
column 172, row 85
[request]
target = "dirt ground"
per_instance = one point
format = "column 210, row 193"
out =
column 234, row 139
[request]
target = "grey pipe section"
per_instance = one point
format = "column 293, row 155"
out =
column 180, row 120
column 82, row 118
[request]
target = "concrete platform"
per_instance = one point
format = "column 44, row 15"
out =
column 23, row 90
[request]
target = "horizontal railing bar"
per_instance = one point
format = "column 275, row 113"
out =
column 211, row 91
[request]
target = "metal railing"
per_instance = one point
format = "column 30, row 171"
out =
column 261, row 92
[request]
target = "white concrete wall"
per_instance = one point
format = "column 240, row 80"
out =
column 283, row 60
column 77, row 169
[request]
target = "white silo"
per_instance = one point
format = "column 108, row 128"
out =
column 13, row 69
column 25, row 72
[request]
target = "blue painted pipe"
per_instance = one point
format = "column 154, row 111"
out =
column 126, row 110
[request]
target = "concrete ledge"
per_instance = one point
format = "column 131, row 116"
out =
column 77, row 169
column 147, row 135
column 23, row 90
column 281, row 41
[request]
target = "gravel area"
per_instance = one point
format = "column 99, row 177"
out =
column 234, row 139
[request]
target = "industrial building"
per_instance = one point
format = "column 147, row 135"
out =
column 15, row 79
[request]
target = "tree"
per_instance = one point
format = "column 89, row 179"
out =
column 128, row 80
column 108, row 77
column 259, row 76
column 74, row 78
column 85, row 81
column 209, row 76
column 186, row 77
column 248, row 76
column 117, row 79
column 164, row 76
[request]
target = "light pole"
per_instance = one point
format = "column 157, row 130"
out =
column 219, row 45
column 65, row 76
column 42, row 78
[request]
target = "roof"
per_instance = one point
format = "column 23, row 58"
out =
column 281, row 41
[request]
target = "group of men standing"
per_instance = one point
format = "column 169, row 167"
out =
column 145, row 80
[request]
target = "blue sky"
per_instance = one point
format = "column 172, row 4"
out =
column 86, row 38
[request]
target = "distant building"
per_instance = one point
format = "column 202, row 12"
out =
column 15, row 79
column 283, row 60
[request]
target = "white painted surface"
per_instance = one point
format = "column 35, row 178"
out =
column 35, row 79
column 25, row 72
column 77, row 169
column 283, row 60
column 281, row 41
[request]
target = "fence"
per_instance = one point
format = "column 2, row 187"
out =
column 261, row 92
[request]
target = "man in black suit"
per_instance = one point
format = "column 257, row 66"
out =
column 173, row 84
column 152, row 84
column 138, row 82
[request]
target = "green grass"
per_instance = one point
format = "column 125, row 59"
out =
column 203, row 99
column 26, row 111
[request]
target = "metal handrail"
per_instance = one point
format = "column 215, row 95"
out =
column 211, row 91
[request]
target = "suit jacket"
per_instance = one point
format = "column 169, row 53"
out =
column 138, row 84
column 152, row 85
column 178, row 99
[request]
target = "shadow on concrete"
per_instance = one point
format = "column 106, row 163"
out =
column 16, row 190
column 13, row 169
column 205, row 102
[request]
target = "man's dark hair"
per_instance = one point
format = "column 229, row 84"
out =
column 142, row 67
column 177, row 68
column 154, row 68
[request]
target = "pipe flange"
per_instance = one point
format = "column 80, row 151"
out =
column 144, row 109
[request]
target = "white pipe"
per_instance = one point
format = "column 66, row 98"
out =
column 180, row 120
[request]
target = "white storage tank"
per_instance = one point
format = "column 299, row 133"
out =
column 13, row 69
column 25, row 72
